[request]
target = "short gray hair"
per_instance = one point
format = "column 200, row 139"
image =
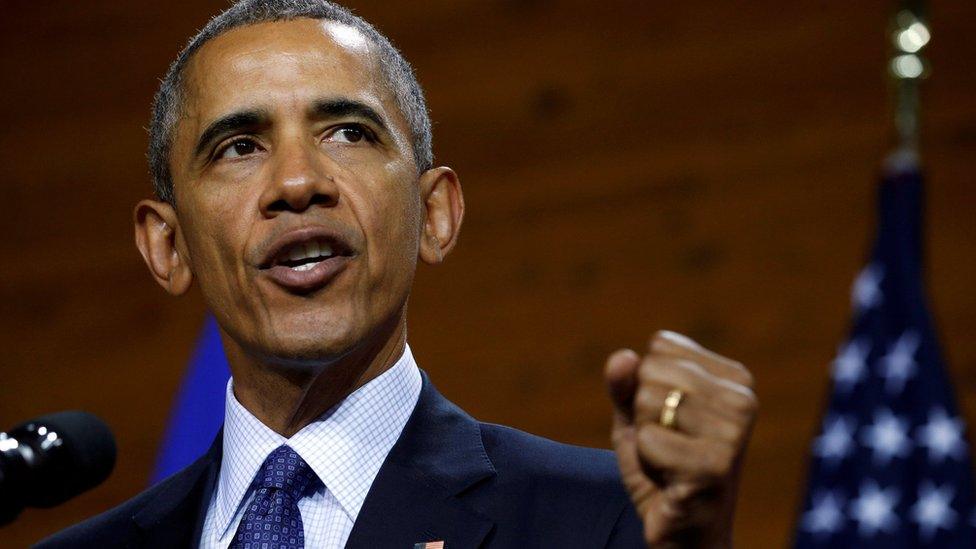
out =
column 399, row 75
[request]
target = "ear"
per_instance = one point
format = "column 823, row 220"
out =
column 443, row 210
column 158, row 240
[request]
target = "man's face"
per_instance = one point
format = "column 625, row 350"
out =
column 296, row 189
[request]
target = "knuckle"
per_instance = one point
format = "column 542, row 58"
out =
column 645, row 401
column 647, row 437
column 667, row 371
column 742, row 403
column 746, row 378
column 649, row 370
column 660, row 338
column 719, row 463
column 730, row 433
column 753, row 407
column 680, row 373
column 690, row 368
column 684, row 491
column 667, row 341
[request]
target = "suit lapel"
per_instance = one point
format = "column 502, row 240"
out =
column 416, row 495
column 175, row 518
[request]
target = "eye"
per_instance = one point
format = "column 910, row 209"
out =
column 349, row 134
column 237, row 148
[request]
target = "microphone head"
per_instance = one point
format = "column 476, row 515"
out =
column 72, row 452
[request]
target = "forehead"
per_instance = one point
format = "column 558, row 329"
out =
column 280, row 64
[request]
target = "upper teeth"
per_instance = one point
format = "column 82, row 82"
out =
column 309, row 250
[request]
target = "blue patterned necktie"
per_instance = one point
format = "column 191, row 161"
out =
column 272, row 519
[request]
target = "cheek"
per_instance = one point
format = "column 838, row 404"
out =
column 389, row 218
column 217, row 240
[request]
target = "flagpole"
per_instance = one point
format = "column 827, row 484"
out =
column 907, row 67
column 890, row 466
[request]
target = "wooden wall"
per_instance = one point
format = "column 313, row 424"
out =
column 705, row 166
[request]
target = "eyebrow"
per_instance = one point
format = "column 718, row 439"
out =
column 229, row 124
column 250, row 119
column 340, row 107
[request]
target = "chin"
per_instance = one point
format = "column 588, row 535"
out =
column 309, row 340
column 311, row 350
column 316, row 336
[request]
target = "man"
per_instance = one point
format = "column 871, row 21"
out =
column 291, row 155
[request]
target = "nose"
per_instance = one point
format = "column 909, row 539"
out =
column 300, row 179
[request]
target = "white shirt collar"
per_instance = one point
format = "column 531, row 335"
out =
column 345, row 446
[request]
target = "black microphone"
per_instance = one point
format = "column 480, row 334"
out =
column 51, row 459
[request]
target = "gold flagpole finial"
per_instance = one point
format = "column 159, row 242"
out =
column 908, row 67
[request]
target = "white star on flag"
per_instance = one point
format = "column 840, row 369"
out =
column 942, row 435
column 866, row 292
column 898, row 366
column 887, row 437
column 890, row 465
column 826, row 513
column 874, row 509
column 837, row 440
column 933, row 510
column 850, row 366
column 825, row 516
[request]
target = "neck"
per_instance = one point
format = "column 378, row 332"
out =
column 286, row 398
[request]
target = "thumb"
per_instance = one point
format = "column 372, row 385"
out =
column 620, row 373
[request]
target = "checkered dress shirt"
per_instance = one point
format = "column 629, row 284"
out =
column 345, row 447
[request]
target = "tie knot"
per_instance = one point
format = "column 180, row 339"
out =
column 285, row 470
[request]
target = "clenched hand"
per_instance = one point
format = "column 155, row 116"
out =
column 682, row 478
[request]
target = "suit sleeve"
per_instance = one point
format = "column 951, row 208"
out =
column 628, row 531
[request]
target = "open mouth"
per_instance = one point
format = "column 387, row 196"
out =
column 304, row 256
column 307, row 260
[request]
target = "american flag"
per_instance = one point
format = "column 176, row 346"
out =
column 890, row 466
column 429, row 545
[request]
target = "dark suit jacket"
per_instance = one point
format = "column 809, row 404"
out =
column 448, row 478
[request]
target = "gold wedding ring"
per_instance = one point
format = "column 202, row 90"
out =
column 669, row 413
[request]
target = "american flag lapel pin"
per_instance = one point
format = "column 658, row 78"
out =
column 429, row 545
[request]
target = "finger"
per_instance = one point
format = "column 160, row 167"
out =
column 724, row 397
column 620, row 373
column 638, row 485
column 694, row 415
column 671, row 456
column 680, row 346
column 679, row 517
column 660, row 520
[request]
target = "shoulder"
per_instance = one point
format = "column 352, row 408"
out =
column 529, row 456
column 574, row 492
